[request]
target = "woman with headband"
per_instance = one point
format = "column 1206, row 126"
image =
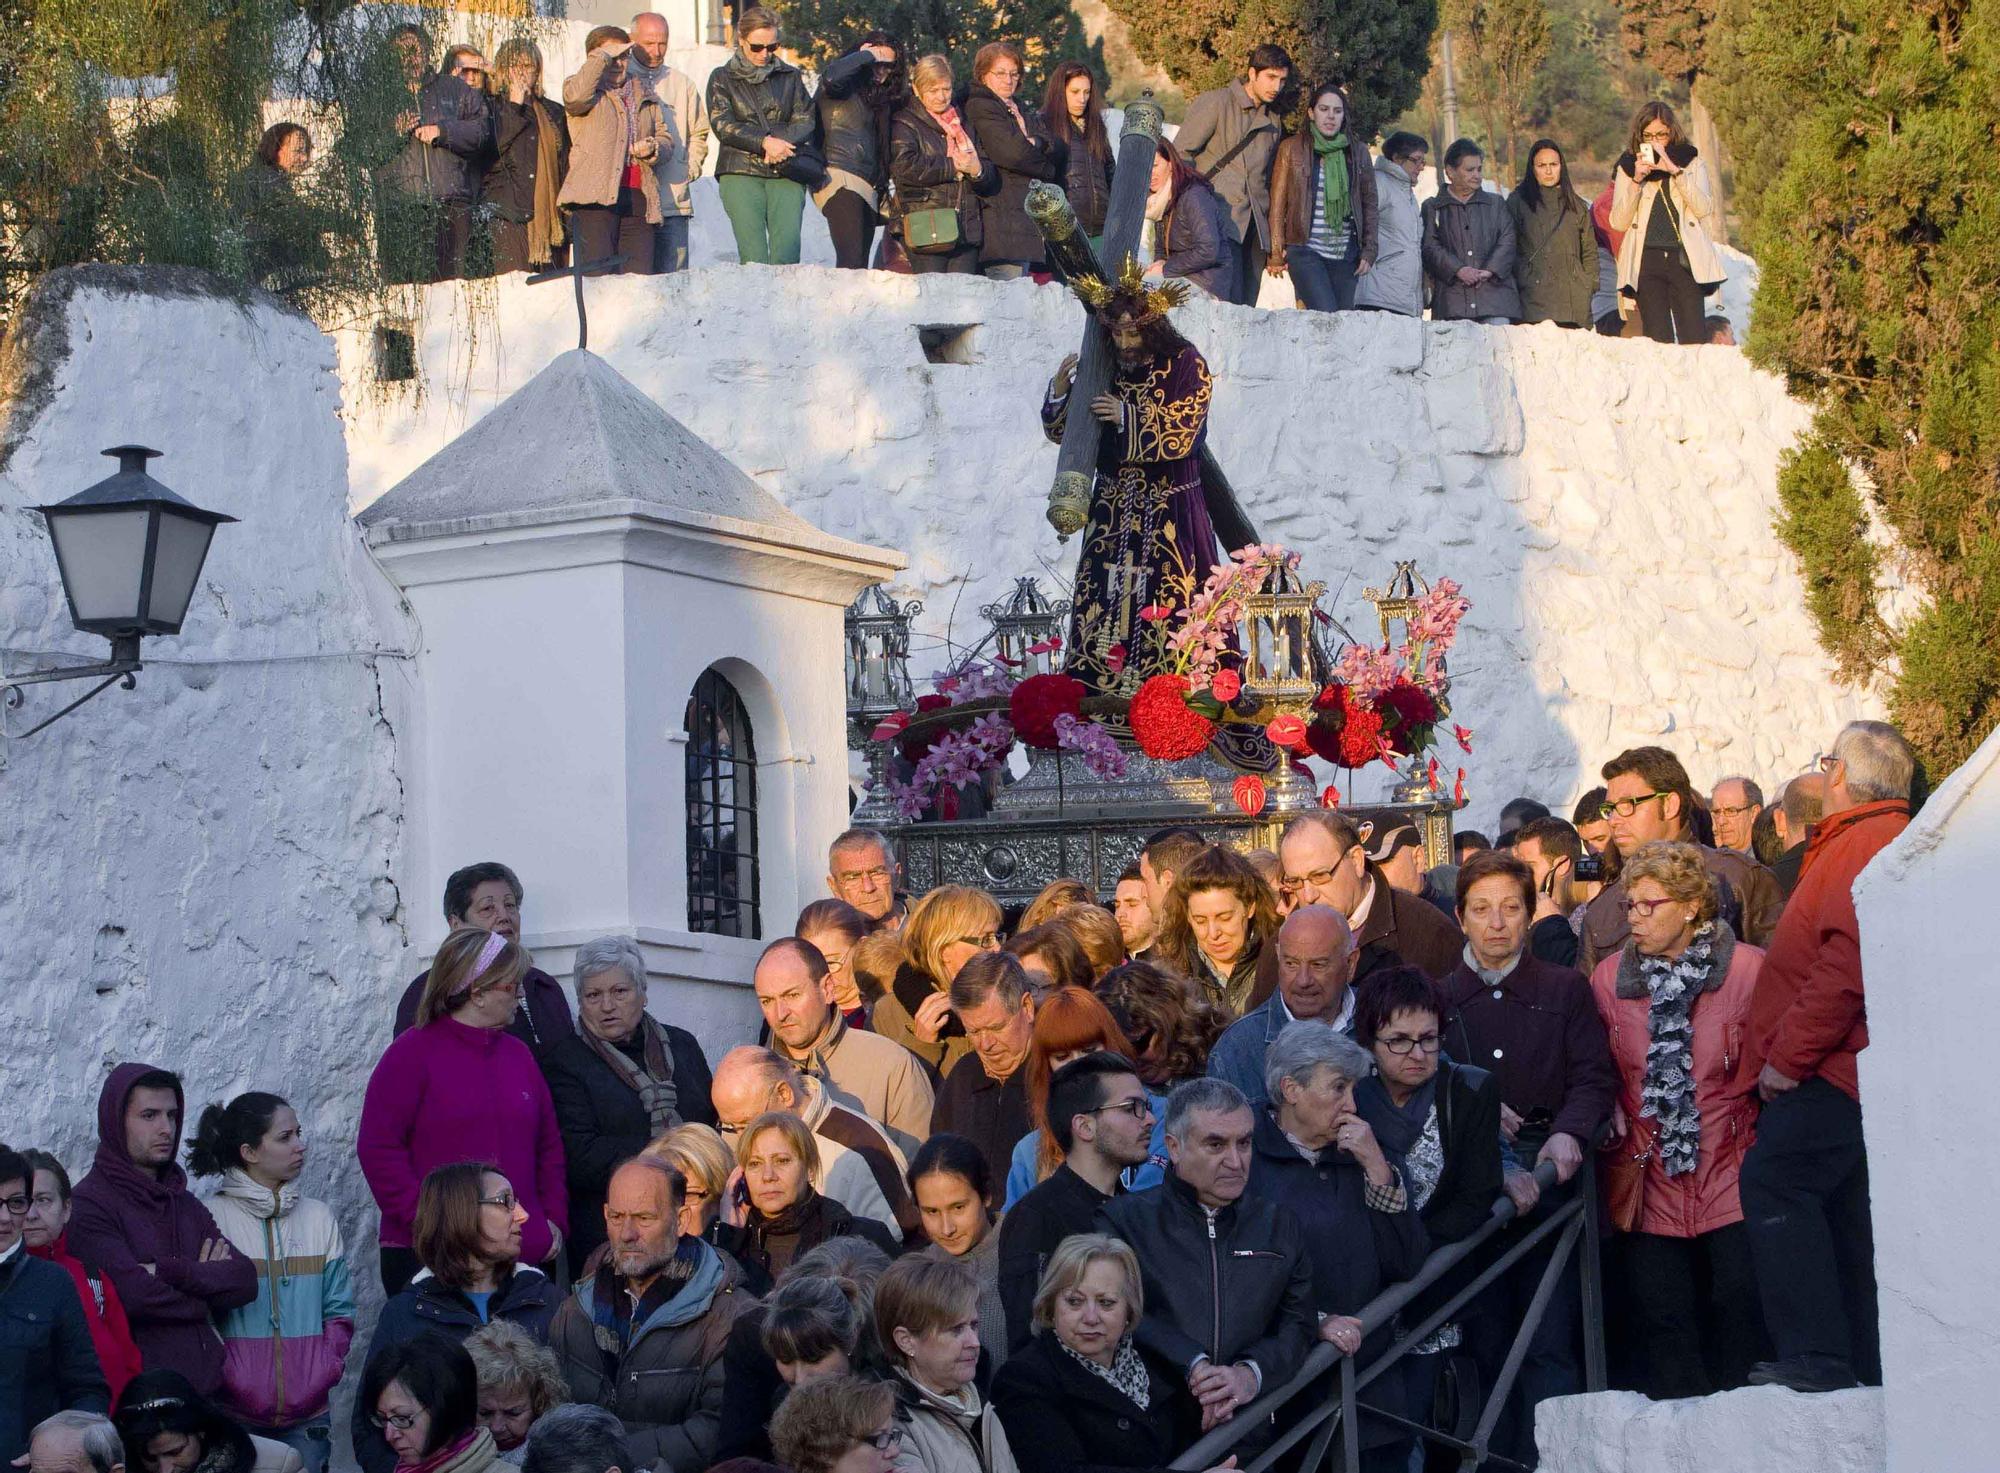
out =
column 459, row 1087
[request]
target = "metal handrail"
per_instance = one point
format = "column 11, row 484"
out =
column 1218, row 1443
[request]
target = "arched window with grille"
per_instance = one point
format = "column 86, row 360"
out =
column 723, row 876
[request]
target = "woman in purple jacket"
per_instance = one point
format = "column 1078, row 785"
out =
column 459, row 1087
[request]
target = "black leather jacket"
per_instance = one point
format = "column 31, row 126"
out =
column 1087, row 182
column 849, row 124
column 742, row 114
column 510, row 173
column 1232, row 1285
column 926, row 178
column 448, row 169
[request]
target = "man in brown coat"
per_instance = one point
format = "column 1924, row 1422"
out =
column 1324, row 863
column 1648, row 796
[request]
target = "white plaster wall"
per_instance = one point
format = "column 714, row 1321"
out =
column 1926, row 1080
column 1760, row 1429
column 201, row 873
column 1607, row 503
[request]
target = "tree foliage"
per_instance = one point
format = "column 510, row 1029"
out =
column 1500, row 48
column 1048, row 31
column 127, row 127
column 1875, row 125
column 1668, row 34
column 1378, row 50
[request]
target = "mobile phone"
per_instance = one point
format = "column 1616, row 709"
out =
column 1590, row 867
column 1649, row 153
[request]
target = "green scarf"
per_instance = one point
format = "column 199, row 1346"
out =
column 1332, row 154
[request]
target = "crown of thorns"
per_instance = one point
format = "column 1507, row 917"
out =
column 1131, row 298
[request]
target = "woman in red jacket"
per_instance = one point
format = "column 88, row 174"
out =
column 45, row 1233
column 1675, row 1001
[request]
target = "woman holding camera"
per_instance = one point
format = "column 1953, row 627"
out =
column 1663, row 197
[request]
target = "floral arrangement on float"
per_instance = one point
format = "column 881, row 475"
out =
column 1247, row 664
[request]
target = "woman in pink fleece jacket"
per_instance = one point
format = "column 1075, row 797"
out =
column 459, row 1087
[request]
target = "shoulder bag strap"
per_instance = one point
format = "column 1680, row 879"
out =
column 1208, row 174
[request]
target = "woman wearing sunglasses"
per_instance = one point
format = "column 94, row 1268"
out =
column 1676, row 1000
column 759, row 108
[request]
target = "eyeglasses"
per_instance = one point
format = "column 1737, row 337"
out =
column 1644, row 908
column 754, row 49
column 1138, row 1107
column 886, row 1441
column 401, row 1421
column 1626, row 807
column 1736, row 812
column 1402, row 1045
column 14, row 1206
column 1828, row 763
column 505, row 1199
column 1319, row 879
column 985, row 941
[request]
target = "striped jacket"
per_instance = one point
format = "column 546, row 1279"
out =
column 284, row 1350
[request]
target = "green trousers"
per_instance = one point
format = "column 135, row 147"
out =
column 765, row 215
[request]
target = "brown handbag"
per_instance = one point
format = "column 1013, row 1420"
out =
column 1625, row 1180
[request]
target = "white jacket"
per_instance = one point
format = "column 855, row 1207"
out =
column 1396, row 281
column 685, row 148
column 1700, row 224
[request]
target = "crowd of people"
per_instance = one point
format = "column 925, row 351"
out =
column 1039, row 1192
column 496, row 169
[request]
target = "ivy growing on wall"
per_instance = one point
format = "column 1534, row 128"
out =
column 129, row 128
column 1868, row 140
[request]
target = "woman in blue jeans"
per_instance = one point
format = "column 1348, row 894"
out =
column 1323, row 215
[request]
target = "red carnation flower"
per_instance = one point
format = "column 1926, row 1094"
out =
column 1162, row 724
column 1249, row 794
column 1360, row 738
column 1225, row 685
column 1036, row 703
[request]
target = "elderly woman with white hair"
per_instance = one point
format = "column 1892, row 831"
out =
column 620, row 1080
column 1314, row 1154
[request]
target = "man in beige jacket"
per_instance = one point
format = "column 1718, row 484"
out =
column 685, row 151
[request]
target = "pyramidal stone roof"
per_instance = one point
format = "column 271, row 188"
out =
column 577, row 433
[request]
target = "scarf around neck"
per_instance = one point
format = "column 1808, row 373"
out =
column 615, row 1317
column 1667, row 1093
column 1126, row 1373
column 1398, row 1127
column 545, row 225
column 654, row 1083
column 1332, row 156
column 742, row 68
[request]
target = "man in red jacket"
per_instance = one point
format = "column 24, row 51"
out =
column 1805, row 1179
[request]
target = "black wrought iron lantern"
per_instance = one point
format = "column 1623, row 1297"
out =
column 130, row 553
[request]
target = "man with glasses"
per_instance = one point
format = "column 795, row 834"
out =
column 1805, row 1179
column 488, row 896
column 1647, row 796
column 1101, row 1119
column 644, row 1335
column 1316, row 960
column 870, row 1073
column 1733, row 806
column 859, row 1165
column 1535, row 1027
column 862, row 870
column 1324, row 863
column 47, row 1363
column 985, row 1097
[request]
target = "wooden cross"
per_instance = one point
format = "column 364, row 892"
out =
column 577, row 270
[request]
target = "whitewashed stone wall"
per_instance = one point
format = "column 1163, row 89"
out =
column 200, row 873
column 1607, row 503
column 1926, row 1084
column 1760, row 1429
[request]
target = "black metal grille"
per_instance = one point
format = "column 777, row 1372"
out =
column 723, row 882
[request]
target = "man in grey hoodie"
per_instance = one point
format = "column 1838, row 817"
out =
column 681, row 156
